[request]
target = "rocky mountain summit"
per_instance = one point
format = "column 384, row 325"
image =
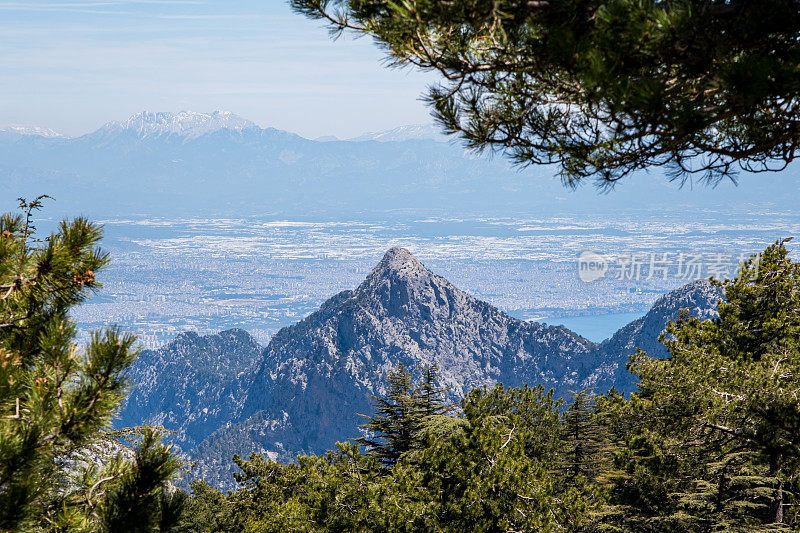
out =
column 405, row 313
column 305, row 390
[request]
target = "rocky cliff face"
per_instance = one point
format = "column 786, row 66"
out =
column 304, row 392
column 193, row 385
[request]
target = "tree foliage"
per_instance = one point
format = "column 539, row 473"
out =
column 586, row 452
column 59, row 469
column 717, row 441
column 601, row 89
column 403, row 414
column 485, row 469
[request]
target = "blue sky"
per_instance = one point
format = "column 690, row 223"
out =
column 74, row 65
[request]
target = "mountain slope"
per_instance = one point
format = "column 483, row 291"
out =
column 192, row 385
column 644, row 332
column 700, row 298
column 404, row 313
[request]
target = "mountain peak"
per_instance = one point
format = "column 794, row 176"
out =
column 398, row 275
column 399, row 260
column 184, row 124
column 401, row 286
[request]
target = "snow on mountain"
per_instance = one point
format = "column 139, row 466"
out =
column 405, row 133
column 30, row 130
column 189, row 124
column 327, row 139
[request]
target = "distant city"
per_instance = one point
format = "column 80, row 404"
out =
column 174, row 275
column 214, row 222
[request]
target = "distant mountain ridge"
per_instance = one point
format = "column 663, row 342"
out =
column 35, row 131
column 173, row 164
column 220, row 164
column 302, row 393
column 187, row 124
column 405, row 133
column 193, row 124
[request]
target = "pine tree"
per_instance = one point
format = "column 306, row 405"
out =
column 405, row 414
column 491, row 470
column 398, row 419
column 588, row 450
column 734, row 491
column 601, row 89
column 723, row 405
column 56, row 400
column 429, row 396
column 494, row 470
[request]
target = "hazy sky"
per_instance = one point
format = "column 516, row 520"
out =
column 74, row 65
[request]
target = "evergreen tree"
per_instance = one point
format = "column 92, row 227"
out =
column 602, row 89
column 493, row 472
column 587, row 448
column 722, row 408
column 732, row 492
column 586, row 465
column 56, row 400
column 404, row 414
column 490, row 471
column 429, row 396
column 397, row 421
column 207, row 510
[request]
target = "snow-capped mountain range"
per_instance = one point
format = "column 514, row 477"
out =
column 188, row 124
column 219, row 163
column 405, row 133
column 30, row 130
column 192, row 124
